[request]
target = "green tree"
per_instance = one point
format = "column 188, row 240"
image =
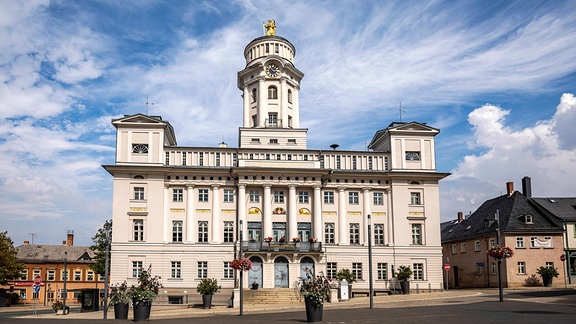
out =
column 10, row 268
column 100, row 240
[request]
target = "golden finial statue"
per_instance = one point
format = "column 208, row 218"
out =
column 270, row 27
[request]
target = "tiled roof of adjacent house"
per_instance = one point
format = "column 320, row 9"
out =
column 565, row 208
column 37, row 253
column 515, row 210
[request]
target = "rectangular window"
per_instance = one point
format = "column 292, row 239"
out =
column 178, row 195
column 418, row 271
column 369, row 163
column 203, row 232
column 549, row 264
column 415, row 198
column 331, row 270
column 463, row 247
column 136, row 269
column 353, row 198
column 303, row 197
column 184, row 154
column 217, row 159
column 203, row 195
column 357, row 270
column 167, row 157
column 547, row 242
column 228, row 232
column 379, row 234
column 228, row 271
column 354, row 163
column 329, row 233
column 202, row 269
column 521, row 267
column 476, row 246
column 519, row 242
column 201, row 159
column 272, row 117
column 52, row 275
column 454, row 249
column 382, row 269
column 417, row 234
column 77, row 275
column 378, row 198
column 175, row 269
column 254, row 196
column 177, row 231
column 138, row 193
column 533, row 240
column 229, row 195
column 278, row 196
column 24, row 275
column 273, row 141
column 492, row 243
column 493, row 268
column 354, row 233
column 138, row 230
column 328, row 197
column 338, row 163
column 90, row 276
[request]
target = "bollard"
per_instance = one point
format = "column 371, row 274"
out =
column 429, row 287
column 417, row 288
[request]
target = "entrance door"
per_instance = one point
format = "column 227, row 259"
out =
column 255, row 274
column 281, row 273
column 306, row 268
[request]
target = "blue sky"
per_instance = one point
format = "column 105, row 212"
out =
column 496, row 77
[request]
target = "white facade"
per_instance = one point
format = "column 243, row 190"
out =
column 179, row 208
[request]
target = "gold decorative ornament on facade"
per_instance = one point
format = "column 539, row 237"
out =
column 270, row 27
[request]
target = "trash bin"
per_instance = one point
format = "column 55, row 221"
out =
column 90, row 300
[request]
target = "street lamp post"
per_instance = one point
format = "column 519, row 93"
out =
column 370, row 263
column 65, row 278
column 106, row 262
column 500, row 290
column 241, row 273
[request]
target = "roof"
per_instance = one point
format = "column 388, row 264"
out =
column 564, row 208
column 512, row 210
column 37, row 253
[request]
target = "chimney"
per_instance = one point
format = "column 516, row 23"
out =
column 460, row 217
column 63, row 242
column 527, row 187
column 70, row 238
column 510, row 188
column 26, row 242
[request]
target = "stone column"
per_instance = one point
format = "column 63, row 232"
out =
column 190, row 232
column 390, row 221
column 266, row 213
column 292, row 223
column 242, row 210
column 343, row 234
column 166, row 223
column 317, row 230
column 215, row 223
column 262, row 108
column 365, row 211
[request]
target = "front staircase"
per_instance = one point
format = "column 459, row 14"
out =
column 285, row 296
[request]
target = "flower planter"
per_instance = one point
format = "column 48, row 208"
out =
column 255, row 286
column 547, row 281
column 142, row 312
column 121, row 311
column 207, row 301
column 313, row 312
column 405, row 287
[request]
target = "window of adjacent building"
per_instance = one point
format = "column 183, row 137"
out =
column 229, row 195
column 328, row 197
column 454, row 249
column 463, row 247
column 184, row 154
column 493, row 268
column 418, row 271
column 228, row 232
column 417, row 234
column 136, row 269
column 528, row 219
column 24, row 275
column 203, row 195
column 382, row 269
column 329, row 233
column 51, row 276
column 492, row 243
column 549, row 264
column 178, row 195
column 338, row 164
column 303, row 197
column 476, row 246
column 203, row 232
column 228, row 271
column 357, row 270
column 254, row 96
column 278, row 196
column 254, row 196
column 289, row 96
column 415, row 198
column 175, row 269
column 533, row 240
column 138, row 193
column 379, row 234
column 354, row 233
column 217, row 159
column 272, row 92
column 378, row 198
column 331, row 270
column 202, row 269
column 140, row 148
column 90, row 276
column 412, row 156
column 519, row 242
column 201, row 159
column 272, row 119
column 138, row 230
column 77, row 275
column 548, row 239
column 521, row 267
column 353, row 198
column 177, row 231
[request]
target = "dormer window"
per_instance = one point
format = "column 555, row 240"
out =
column 528, row 219
column 140, row 148
column 412, row 156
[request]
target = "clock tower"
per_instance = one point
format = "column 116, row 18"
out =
column 270, row 84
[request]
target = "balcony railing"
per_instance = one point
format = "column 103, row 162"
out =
column 256, row 246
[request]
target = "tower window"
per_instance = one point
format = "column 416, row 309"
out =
column 289, row 96
column 290, row 121
column 273, row 141
column 273, row 119
column 254, row 120
column 272, row 92
column 254, row 95
column 276, row 48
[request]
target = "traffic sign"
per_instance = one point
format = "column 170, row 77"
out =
column 36, row 288
column 37, row 279
column 447, row 267
column 563, row 257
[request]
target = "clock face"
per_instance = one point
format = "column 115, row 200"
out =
column 272, row 70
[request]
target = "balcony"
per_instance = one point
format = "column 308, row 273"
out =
column 271, row 247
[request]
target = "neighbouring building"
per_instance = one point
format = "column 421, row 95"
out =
column 187, row 211
column 48, row 262
column 534, row 235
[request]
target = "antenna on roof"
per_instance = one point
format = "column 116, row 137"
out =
column 151, row 103
column 400, row 110
column 32, row 234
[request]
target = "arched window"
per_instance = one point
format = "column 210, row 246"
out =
column 272, row 92
column 289, row 96
column 254, row 95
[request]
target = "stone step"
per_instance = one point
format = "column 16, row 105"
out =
column 271, row 296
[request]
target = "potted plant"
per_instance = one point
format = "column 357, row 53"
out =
column 314, row 289
column 500, row 252
column 295, row 239
column 282, row 240
column 403, row 274
column 208, row 287
column 120, row 298
column 312, row 240
column 349, row 276
column 144, row 294
column 547, row 273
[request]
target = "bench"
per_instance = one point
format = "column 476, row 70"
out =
column 367, row 292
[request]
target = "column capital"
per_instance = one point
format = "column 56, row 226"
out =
column 215, row 186
column 190, row 186
column 341, row 188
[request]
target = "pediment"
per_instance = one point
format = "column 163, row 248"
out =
column 414, row 126
column 139, row 119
